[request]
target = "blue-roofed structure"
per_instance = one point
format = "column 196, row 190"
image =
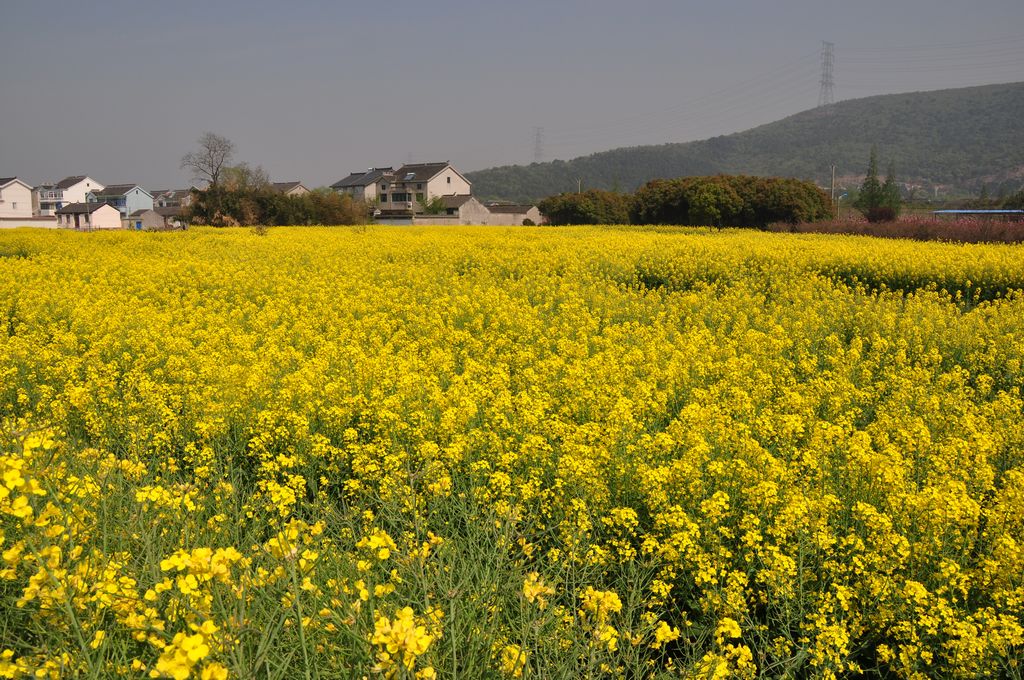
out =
column 978, row 212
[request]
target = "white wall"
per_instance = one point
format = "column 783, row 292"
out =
column 76, row 192
column 106, row 217
column 40, row 222
column 15, row 201
column 440, row 186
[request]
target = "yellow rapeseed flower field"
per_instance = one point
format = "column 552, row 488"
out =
column 524, row 453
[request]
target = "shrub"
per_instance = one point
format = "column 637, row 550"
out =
column 593, row 206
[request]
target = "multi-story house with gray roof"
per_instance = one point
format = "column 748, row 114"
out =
column 172, row 198
column 363, row 185
column 415, row 184
column 127, row 198
column 49, row 198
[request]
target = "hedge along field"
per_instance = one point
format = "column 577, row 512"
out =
column 485, row 452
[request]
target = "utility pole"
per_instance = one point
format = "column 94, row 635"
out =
column 833, row 192
column 579, row 185
column 827, row 95
column 538, row 145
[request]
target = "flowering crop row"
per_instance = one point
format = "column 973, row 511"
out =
column 470, row 452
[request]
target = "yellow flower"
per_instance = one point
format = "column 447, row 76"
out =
column 535, row 590
column 512, row 660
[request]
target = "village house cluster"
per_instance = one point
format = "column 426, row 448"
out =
column 416, row 193
column 429, row 193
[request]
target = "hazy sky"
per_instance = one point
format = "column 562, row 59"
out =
column 315, row 90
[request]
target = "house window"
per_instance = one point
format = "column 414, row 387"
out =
column 383, row 198
column 419, row 186
column 383, row 187
column 449, row 180
column 419, row 196
column 14, row 206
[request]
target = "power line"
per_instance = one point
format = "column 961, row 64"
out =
column 789, row 84
column 939, row 46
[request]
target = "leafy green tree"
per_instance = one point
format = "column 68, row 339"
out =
column 434, row 206
column 593, row 206
column 715, row 204
column 244, row 176
column 1014, row 202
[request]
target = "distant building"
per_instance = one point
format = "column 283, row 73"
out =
column 173, row 217
column 46, row 198
column 513, row 214
column 173, row 198
column 89, row 216
column 289, row 188
column 49, row 198
column 155, row 219
column 145, row 219
column 75, row 188
column 127, row 198
column 363, row 185
column 414, row 184
column 466, row 209
column 15, row 198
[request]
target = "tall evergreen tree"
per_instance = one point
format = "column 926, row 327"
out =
column 878, row 202
column 891, row 192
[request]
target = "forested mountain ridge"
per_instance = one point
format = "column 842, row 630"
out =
column 956, row 140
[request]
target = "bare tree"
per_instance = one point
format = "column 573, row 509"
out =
column 208, row 162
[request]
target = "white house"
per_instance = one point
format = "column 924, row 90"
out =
column 74, row 188
column 416, row 183
column 89, row 216
column 15, row 198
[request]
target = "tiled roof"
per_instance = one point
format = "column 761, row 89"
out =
column 69, row 182
column 362, row 179
column 285, row 187
column 419, row 172
column 456, row 201
column 509, row 208
column 81, row 208
column 116, row 190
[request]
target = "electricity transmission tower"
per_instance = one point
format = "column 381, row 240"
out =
column 538, row 144
column 827, row 95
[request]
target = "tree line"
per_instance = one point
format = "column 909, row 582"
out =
column 223, row 206
column 719, row 200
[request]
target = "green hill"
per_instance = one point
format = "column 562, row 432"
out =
column 954, row 140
